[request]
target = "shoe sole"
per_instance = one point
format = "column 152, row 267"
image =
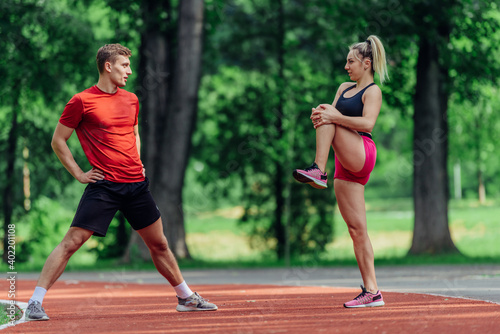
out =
column 182, row 308
column 41, row 319
column 374, row 304
column 303, row 178
column 299, row 177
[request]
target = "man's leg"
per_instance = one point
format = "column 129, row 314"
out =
column 53, row 268
column 167, row 266
column 58, row 259
column 162, row 256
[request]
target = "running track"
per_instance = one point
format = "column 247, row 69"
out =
column 124, row 306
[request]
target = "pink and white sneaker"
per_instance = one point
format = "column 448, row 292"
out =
column 366, row 299
column 311, row 175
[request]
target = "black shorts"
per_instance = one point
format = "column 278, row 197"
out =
column 101, row 200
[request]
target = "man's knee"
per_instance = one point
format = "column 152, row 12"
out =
column 158, row 245
column 74, row 239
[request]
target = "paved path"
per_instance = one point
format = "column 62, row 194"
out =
column 481, row 282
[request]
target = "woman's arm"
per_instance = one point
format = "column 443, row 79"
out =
column 328, row 114
column 314, row 114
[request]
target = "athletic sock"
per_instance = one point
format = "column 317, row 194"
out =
column 38, row 295
column 182, row 290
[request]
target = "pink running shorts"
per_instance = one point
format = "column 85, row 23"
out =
column 363, row 175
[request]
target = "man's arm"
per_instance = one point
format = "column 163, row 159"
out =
column 137, row 139
column 60, row 147
column 138, row 144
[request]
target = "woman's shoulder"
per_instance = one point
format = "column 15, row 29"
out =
column 374, row 89
column 372, row 93
column 345, row 85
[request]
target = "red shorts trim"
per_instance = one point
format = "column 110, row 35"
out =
column 363, row 175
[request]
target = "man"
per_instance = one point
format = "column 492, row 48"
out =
column 105, row 118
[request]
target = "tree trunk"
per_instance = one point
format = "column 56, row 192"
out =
column 481, row 190
column 279, row 227
column 168, row 112
column 153, row 92
column 431, row 232
column 481, row 187
column 179, row 126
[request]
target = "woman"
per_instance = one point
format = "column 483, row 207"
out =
column 346, row 125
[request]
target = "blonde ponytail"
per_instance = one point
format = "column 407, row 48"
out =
column 374, row 50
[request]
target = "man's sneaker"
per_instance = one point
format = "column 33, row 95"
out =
column 195, row 303
column 311, row 175
column 35, row 311
column 366, row 299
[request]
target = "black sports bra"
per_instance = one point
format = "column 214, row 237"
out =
column 352, row 106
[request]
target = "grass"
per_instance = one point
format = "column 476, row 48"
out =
column 5, row 311
column 474, row 229
column 216, row 240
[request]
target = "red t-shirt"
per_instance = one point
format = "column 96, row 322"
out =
column 105, row 124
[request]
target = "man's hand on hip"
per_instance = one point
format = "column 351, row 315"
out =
column 92, row 176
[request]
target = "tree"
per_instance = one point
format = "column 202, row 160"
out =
column 441, row 21
column 472, row 122
column 430, row 186
column 169, row 76
column 475, row 98
column 40, row 48
column 155, row 58
column 254, row 124
column 180, row 122
column 442, row 67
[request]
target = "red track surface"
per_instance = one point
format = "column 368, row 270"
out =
column 146, row 308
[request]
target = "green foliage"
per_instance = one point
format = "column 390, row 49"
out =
column 239, row 132
column 239, row 119
column 47, row 54
column 41, row 230
column 252, row 111
column 42, row 44
column 472, row 143
column 244, row 151
column 253, row 125
column 390, row 225
column 474, row 101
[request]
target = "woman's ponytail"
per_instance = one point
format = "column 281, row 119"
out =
column 374, row 49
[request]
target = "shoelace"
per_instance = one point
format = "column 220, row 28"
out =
column 199, row 298
column 313, row 166
column 362, row 294
column 35, row 307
